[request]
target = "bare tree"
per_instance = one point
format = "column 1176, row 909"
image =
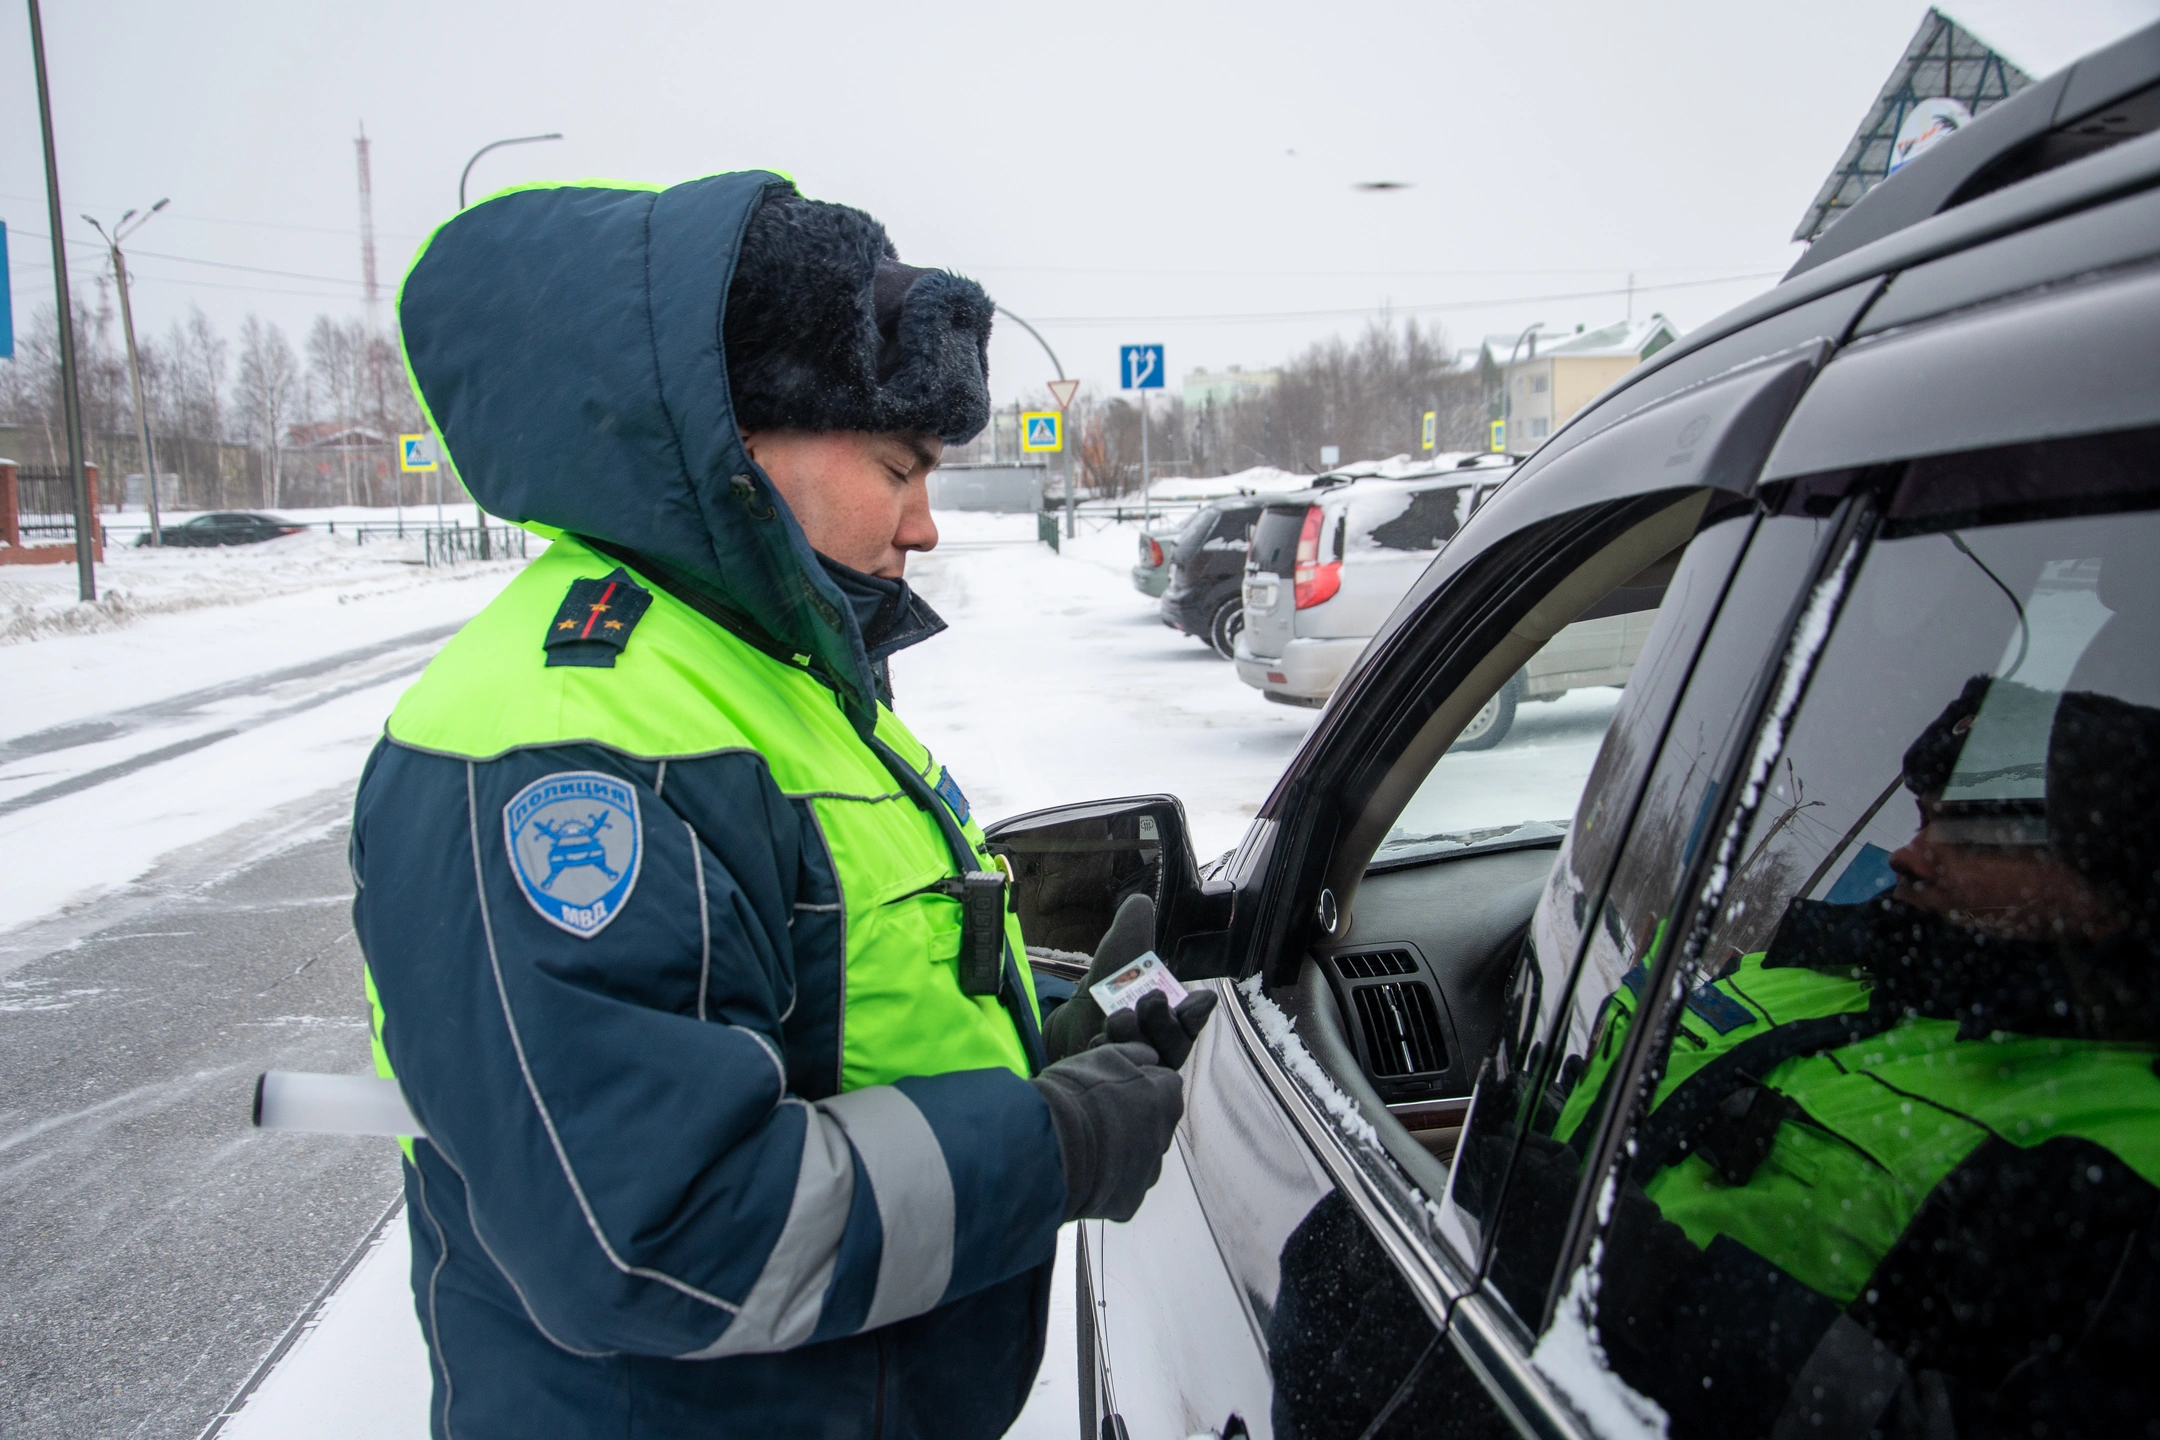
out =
column 267, row 392
column 337, row 379
column 1365, row 397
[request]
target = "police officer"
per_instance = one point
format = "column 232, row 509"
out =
column 688, row 956
column 1910, row 1184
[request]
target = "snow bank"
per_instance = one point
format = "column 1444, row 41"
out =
column 39, row 601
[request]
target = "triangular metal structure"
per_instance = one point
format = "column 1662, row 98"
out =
column 1944, row 60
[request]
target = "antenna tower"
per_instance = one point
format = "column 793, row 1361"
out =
column 367, row 237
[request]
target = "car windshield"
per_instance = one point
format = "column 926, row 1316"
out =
column 1403, row 846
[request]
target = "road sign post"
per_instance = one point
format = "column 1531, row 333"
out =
column 416, row 455
column 1140, row 367
column 1062, row 391
column 1042, row 432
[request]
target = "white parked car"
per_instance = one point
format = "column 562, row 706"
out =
column 1330, row 564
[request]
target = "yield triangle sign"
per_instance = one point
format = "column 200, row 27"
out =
column 1062, row 391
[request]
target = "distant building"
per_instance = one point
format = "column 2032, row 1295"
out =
column 1221, row 387
column 1555, row 375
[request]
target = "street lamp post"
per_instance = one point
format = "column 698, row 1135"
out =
column 120, row 231
column 1507, row 384
column 70, row 400
column 1061, row 413
column 497, row 145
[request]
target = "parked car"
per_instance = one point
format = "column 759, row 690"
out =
column 1151, row 571
column 1781, row 1063
column 1207, row 573
column 1328, row 564
column 224, row 527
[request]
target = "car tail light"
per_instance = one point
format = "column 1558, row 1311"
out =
column 1154, row 549
column 1314, row 582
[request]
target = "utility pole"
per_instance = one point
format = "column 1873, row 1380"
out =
column 70, row 401
column 120, row 231
column 369, row 289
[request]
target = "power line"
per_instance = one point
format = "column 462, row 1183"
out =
column 1336, row 274
column 347, row 234
column 214, row 264
column 1258, row 317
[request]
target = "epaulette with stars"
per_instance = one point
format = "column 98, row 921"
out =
column 595, row 620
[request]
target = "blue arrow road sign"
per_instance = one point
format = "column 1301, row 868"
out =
column 1141, row 367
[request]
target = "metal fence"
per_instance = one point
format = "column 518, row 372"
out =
column 45, row 504
column 447, row 545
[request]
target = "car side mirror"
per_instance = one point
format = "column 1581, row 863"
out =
column 1074, row 865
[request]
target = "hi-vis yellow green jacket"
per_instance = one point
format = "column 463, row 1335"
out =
column 657, row 903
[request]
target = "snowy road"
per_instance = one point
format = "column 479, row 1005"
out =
column 175, row 768
column 155, row 1246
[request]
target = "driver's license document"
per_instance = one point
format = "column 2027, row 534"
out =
column 1123, row 990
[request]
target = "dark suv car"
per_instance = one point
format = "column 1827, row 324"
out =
column 1775, row 1056
column 1207, row 569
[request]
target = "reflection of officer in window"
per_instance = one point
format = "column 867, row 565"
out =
column 1918, row 1190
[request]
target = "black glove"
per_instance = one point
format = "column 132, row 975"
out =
column 1073, row 1024
column 1170, row 1033
column 1114, row 1110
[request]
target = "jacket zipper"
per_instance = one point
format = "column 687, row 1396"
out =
column 877, row 1406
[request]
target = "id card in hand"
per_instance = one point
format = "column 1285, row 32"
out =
column 1123, row 990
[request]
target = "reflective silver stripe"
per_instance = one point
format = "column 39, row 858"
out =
column 779, row 1071
column 782, row 1308
column 704, row 917
column 914, row 1192
column 532, row 1086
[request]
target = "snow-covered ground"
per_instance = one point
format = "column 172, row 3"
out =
column 207, row 693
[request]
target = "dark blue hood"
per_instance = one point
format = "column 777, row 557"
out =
column 565, row 342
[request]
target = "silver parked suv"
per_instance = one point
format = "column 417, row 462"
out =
column 1329, row 565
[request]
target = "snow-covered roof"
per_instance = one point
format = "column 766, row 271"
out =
column 1501, row 346
column 1636, row 338
column 1260, row 480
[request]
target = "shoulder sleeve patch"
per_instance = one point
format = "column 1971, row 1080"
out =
column 575, row 846
column 594, row 621
column 948, row 789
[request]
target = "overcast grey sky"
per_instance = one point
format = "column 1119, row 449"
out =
column 1114, row 171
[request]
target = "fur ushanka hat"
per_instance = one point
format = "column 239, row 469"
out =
column 826, row 330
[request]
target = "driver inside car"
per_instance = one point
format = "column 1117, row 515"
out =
column 1830, row 1215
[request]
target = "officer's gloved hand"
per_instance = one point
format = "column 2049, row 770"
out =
column 1114, row 1110
column 1079, row 1020
column 1170, row 1033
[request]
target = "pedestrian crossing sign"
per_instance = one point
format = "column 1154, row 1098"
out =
column 1041, row 432
column 416, row 452
column 1429, row 431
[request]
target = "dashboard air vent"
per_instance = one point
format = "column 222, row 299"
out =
column 1402, row 1029
column 1374, row 965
